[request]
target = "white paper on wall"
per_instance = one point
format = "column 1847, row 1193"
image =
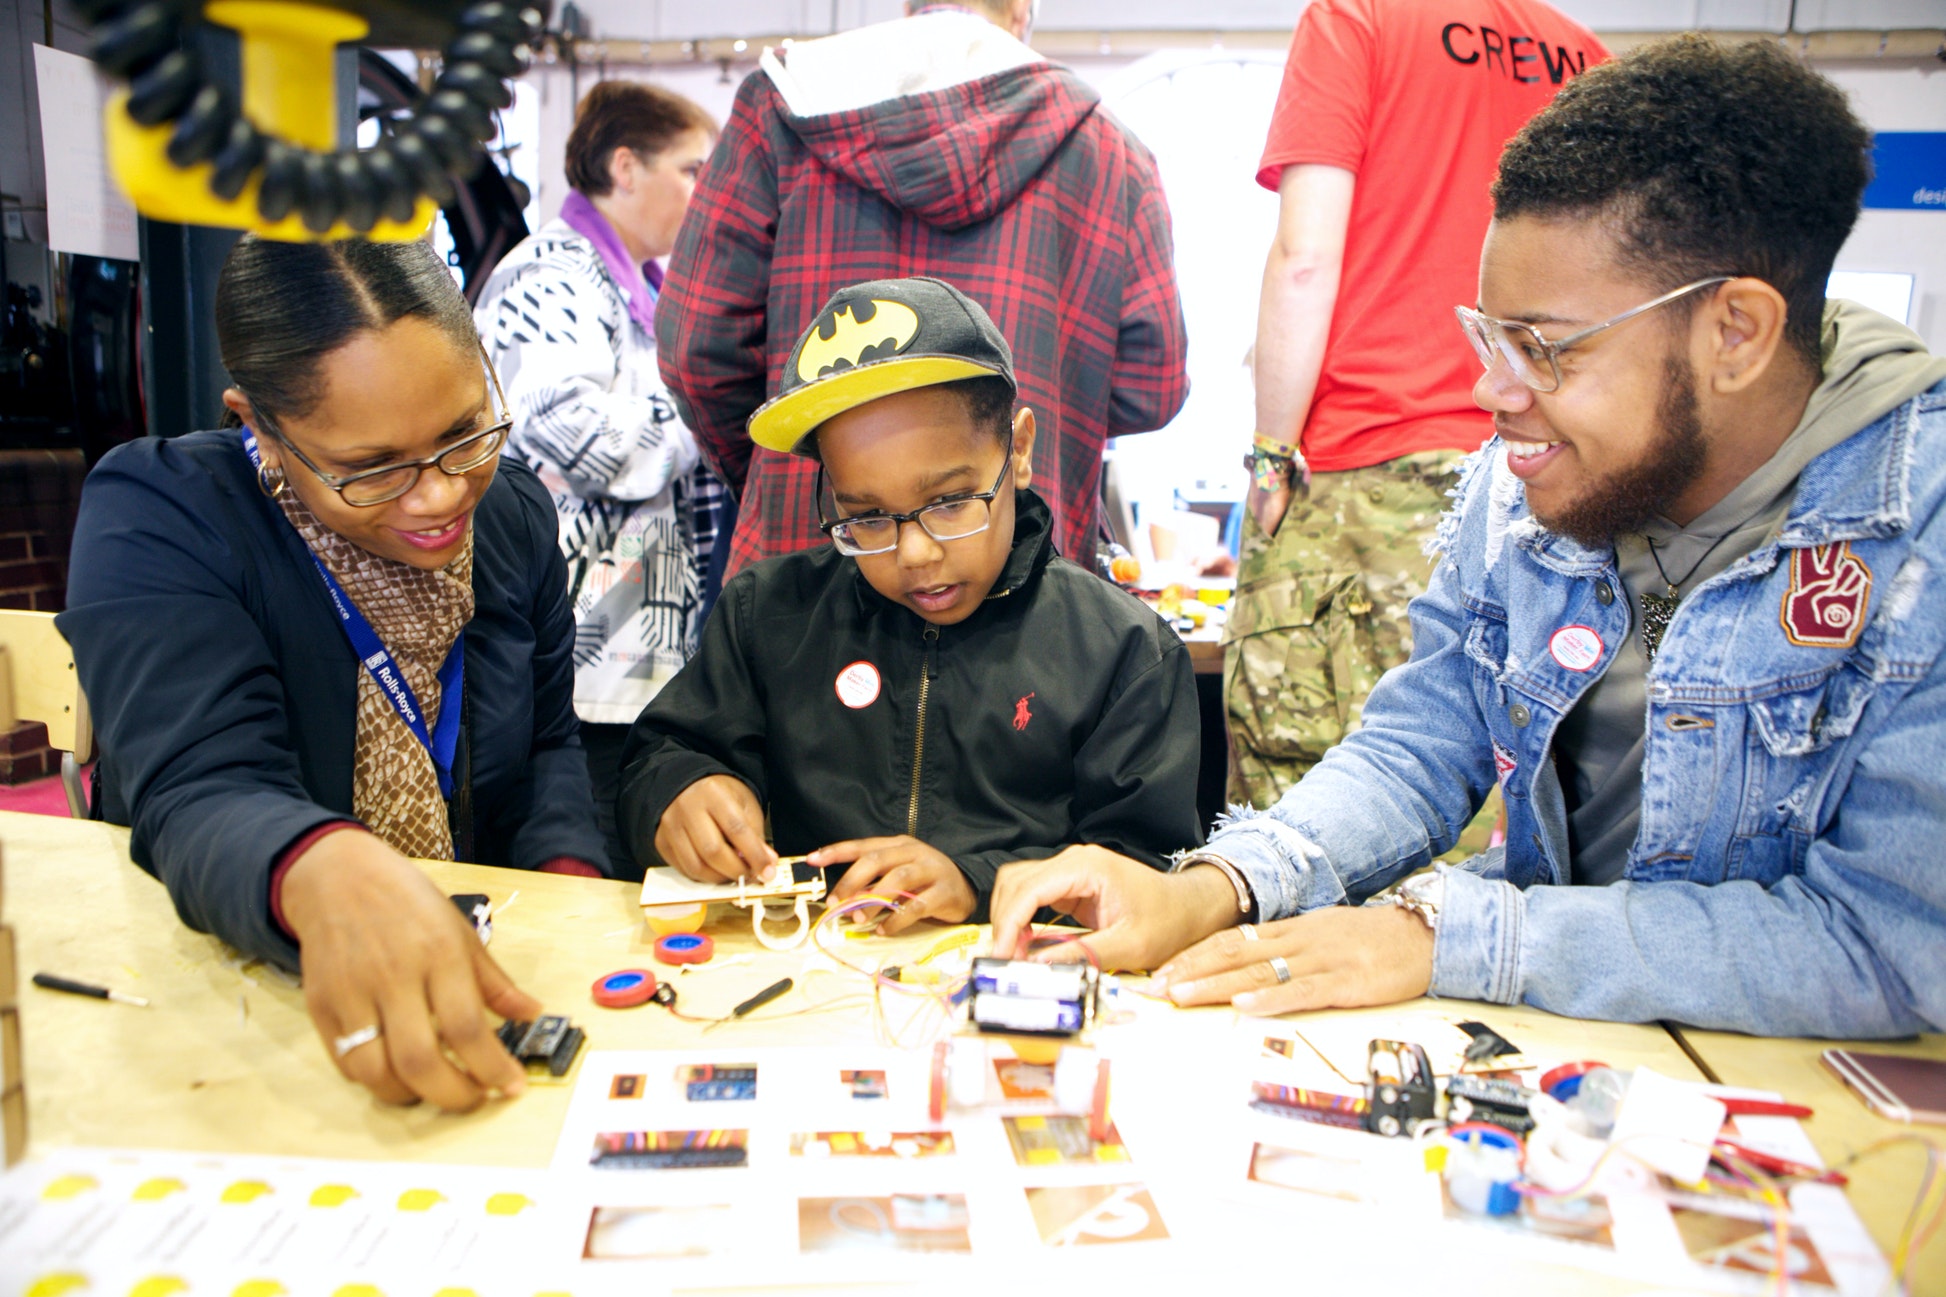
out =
column 86, row 211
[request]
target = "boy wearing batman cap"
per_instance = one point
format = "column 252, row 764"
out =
column 938, row 692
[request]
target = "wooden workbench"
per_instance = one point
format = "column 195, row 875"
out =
column 226, row 1060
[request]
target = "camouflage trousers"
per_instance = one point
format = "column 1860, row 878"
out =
column 1319, row 614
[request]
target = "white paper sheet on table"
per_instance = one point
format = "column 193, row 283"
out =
column 100, row 1221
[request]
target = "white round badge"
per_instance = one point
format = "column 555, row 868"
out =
column 1575, row 647
column 857, row 685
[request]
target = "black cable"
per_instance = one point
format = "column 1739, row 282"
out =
column 442, row 139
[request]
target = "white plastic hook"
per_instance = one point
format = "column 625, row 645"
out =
column 759, row 915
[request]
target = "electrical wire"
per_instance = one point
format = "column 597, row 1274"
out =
column 1928, row 1208
column 940, row 996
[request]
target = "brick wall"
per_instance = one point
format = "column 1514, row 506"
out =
column 40, row 491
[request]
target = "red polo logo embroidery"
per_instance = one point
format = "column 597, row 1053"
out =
column 1825, row 606
column 1021, row 714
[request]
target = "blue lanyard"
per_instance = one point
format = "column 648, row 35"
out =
column 441, row 743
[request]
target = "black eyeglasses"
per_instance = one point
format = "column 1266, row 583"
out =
column 374, row 486
column 955, row 518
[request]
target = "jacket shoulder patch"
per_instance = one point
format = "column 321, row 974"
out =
column 1825, row 604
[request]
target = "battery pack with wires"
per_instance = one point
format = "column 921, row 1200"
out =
column 1018, row 995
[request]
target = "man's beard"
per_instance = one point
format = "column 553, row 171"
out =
column 1626, row 498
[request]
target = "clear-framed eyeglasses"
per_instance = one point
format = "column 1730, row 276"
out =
column 954, row 518
column 375, row 486
column 1535, row 360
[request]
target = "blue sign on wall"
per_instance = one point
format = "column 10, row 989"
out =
column 1909, row 170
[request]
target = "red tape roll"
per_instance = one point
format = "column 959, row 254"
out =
column 1553, row 1077
column 685, row 948
column 626, row 989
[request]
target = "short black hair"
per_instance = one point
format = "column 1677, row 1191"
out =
column 989, row 404
column 1708, row 159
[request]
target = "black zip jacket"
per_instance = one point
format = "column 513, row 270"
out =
column 1063, row 711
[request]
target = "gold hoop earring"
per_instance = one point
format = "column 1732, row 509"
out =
column 271, row 484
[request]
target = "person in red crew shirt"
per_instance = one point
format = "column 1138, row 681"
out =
column 1384, row 141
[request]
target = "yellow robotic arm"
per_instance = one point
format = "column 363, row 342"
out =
column 186, row 149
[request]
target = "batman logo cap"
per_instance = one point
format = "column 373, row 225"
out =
column 872, row 340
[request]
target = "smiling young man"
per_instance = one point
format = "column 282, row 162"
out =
column 937, row 692
column 1687, row 617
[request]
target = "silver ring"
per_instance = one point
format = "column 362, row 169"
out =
column 1249, row 931
column 1279, row 967
column 352, row 1040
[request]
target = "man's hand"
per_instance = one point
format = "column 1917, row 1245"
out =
column 714, row 832
column 883, row 866
column 1140, row 915
column 382, row 946
column 1343, row 957
column 1268, row 507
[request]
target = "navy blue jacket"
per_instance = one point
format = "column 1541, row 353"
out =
column 224, row 691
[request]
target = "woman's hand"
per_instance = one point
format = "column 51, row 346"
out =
column 902, row 864
column 1140, row 915
column 714, row 832
column 1342, row 957
column 382, row 946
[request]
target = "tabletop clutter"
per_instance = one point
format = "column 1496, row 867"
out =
column 999, row 1107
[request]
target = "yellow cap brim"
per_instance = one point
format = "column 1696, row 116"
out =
column 783, row 423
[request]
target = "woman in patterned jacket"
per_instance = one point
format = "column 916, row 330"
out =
column 569, row 319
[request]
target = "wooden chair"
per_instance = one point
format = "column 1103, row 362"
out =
column 46, row 689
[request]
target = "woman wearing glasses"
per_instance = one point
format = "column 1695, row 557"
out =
column 329, row 637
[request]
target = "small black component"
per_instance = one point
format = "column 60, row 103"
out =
column 481, row 47
column 1401, row 1088
column 477, row 84
column 549, row 1042
column 361, row 192
column 453, row 148
column 319, row 201
column 710, row 1083
column 665, row 995
column 236, row 158
column 424, row 166
column 203, row 128
column 132, row 41
column 397, row 194
column 283, row 170
column 1498, row 1103
column 478, row 910
column 164, row 90
column 670, row 1159
column 1486, row 1043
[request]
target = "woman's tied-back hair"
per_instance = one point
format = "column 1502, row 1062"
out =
column 281, row 307
column 626, row 114
column 1703, row 159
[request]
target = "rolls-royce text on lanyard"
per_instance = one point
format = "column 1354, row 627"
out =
column 443, row 739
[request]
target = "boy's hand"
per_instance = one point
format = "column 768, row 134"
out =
column 902, row 864
column 714, row 832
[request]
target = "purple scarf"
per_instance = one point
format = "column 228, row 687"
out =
column 639, row 284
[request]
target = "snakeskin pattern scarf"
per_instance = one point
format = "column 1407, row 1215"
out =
column 417, row 616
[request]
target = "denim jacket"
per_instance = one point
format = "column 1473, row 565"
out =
column 1789, row 874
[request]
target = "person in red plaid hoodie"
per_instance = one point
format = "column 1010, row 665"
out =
column 937, row 144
